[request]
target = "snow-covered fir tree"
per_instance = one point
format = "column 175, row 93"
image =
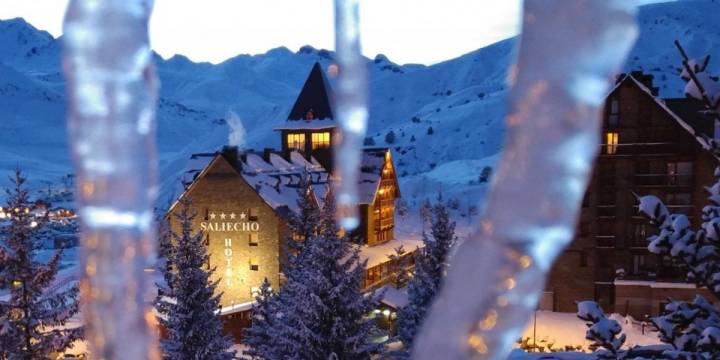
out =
column 430, row 269
column 321, row 311
column 194, row 328
column 258, row 337
column 603, row 332
column 32, row 318
column 397, row 267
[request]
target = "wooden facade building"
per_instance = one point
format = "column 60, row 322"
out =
column 650, row 146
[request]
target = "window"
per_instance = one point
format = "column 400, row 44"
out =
column 321, row 140
column 680, row 173
column 296, row 141
column 614, row 116
column 253, row 239
column 612, row 140
column 638, row 264
column 640, row 235
column 310, row 115
column 254, row 264
column 253, row 214
column 678, row 199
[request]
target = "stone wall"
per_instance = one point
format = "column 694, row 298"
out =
column 242, row 232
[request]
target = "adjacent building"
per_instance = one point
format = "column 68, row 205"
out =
column 651, row 146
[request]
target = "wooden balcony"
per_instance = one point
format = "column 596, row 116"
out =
column 635, row 149
column 663, row 180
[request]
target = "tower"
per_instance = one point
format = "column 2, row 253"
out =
column 310, row 126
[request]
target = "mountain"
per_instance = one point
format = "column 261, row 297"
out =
column 461, row 99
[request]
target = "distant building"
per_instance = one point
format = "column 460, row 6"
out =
column 244, row 198
column 650, row 147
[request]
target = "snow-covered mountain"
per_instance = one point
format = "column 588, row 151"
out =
column 461, row 100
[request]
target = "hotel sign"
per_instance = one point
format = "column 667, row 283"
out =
column 231, row 222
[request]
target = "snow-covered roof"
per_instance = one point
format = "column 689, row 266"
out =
column 276, row 178
column 378, row 254
column 371, row 165
column 315, row 124
column 226, row 310
column 393, row 297
column 655, row 284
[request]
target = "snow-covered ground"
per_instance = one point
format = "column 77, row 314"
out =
column 565, row 329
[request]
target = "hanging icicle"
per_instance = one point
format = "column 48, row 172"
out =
column 111, row 101
column 568, row 52
column 350, row 98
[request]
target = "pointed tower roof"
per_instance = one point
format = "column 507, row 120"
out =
column 314, row 97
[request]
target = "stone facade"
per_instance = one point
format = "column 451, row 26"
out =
column 242, row 232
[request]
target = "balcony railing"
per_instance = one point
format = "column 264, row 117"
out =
column 663, row 180
column 644, row 149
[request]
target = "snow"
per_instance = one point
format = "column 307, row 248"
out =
column 655, row 284
column 395, row 298
column 226, row 310
column 315, row 124
column 378, row 254
column 566, row 329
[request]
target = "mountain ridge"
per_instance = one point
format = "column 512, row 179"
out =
column 441, row 114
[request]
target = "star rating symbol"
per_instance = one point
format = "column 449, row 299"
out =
column 212, row 215
column 242, row 215
column 232, row 215
column 222, row 216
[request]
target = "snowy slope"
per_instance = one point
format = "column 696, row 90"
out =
column 462, row 100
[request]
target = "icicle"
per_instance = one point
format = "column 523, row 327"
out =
column 567, row 56
column 351, row 108
column 111, row 92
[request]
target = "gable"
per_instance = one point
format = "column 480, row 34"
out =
column 691, row 121
column 220, row 180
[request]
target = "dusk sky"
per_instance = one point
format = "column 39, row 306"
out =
column 407, row 31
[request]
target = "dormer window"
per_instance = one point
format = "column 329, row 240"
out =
column 320, row 140
column 296, row 141
column 310, row 115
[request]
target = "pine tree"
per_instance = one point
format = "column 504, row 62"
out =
column 321, row 312
column 430, row 269
column 258, row 337
column 31, row 319
column 194, row 329
column 397, row 267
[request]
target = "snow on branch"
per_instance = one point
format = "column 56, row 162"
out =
column 602, row 331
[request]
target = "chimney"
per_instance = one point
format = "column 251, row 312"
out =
column 645, row 79
column 266, row 154
column 230, row 153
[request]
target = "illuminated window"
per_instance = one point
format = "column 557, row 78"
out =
column 254, row 264
column 253, row 239
column 612, row 139
column 321, row 140
column 296, row 141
